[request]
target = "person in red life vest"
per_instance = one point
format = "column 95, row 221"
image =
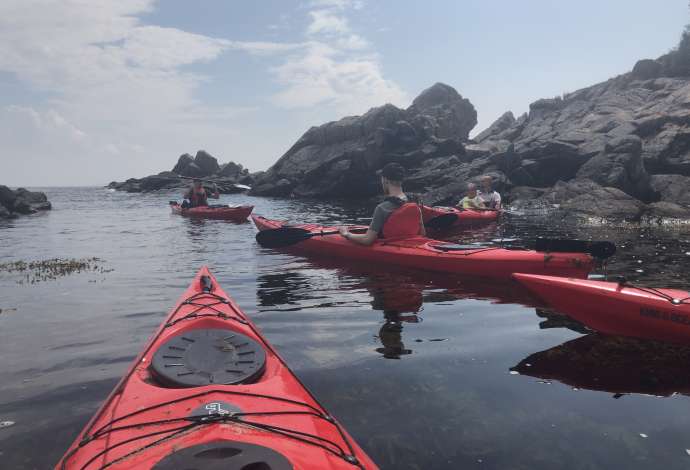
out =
column 395, row 217
column 197, row 196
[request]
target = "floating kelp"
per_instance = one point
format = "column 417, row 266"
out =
column 32, row 272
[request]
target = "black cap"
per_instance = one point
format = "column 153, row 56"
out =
column 392, row 171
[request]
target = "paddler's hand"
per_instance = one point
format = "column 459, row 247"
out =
column 343, row 232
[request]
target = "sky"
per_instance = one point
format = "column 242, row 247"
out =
column 93, row 91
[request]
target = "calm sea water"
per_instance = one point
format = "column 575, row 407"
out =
column 416, row 366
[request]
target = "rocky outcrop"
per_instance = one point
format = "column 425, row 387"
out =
column 339, row 159
column 617, row 149
column 227, row 176
column 21, row 202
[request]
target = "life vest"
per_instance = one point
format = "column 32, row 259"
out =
column 198, row 198
column 403, row 222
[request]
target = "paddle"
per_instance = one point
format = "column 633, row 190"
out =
column 287, row 236
column 602, row 249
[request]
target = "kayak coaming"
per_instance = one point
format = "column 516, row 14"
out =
column 616, row 308
column 465, row 216
column 237, row 213
column 420, row 253
column 137, row 400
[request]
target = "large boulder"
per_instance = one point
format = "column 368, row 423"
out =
column 182, row 163
column 448, row 114
column 647, row 68
column 22, row 201
column 232, row 170
column 340, row 159
column 206, row 163
column 203, row 164
column 7, row 196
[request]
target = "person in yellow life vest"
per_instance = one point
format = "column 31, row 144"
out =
column 197, row 196
column 395, row 217
column 471, row 201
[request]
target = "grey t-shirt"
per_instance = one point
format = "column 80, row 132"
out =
column 382, row 212
column 491, row 200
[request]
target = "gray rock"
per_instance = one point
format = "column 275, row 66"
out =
column 586, row 198
column 672, row 188
column 450, row 115
column 207, row 164
column 183, row 162
column 7, row 196
column 620, row 166
column 232, row 170
column 499, row 125
column 647, row 68
column 340, row 159
column 666, row 210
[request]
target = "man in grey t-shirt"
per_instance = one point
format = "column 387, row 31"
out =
column 391, row 179
column 490, row 198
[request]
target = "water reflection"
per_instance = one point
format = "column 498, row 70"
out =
column 613, row 364
column 400, row 303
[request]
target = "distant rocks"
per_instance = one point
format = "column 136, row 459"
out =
column 203, row 165
column 21, row 202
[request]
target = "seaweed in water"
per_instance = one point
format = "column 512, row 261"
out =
column 33, row 272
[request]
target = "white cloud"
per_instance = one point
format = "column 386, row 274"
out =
column 327, row 22
column 48, row 122
column 263, row 47
column 334, row 67
column 323, row 76
column 339, row 4
column 115, row 86
column 353, row 42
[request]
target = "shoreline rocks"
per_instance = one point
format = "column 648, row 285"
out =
column 21, row 202
column 203, row 165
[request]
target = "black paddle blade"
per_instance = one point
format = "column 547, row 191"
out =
column 441, row 222
column 283, row 236
column 600, row 250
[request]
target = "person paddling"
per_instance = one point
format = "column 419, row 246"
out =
column 490, row 197
column 197, row 196
column 395, row 217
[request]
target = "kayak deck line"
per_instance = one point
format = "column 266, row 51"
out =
column 146, row 424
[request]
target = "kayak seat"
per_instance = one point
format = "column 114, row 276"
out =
column 208, row 356
column 225, row 455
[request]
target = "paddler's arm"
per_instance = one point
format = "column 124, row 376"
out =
column 365, row 239
column 215, row 194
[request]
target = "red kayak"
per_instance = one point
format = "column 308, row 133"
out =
column 209, row 392
column 224, row 212
column 617, row 309
column 465, row 217
column 433, row 255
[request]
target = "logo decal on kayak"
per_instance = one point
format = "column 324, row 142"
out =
column 666, row 316
column 215, row 408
